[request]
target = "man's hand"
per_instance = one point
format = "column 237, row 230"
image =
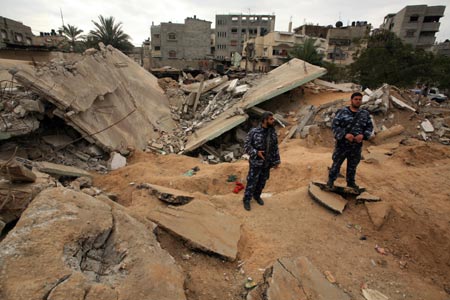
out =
column 261, row 154
column 276, row 166
column 349, row 137
column 359, row 138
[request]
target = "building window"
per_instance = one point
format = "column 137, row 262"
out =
column 414, row 18
column 19, row 37
column 28, row 41
column 243, row 30
column 234, row 19
column 157, row 48
column 221, row 22
column 233, row 43
column 222, row 34
column 431, row 19
column 172, row 36
column 4, row 34
column 252, row 31
column 172, row 54
column 234, row 30
column 156, row 36
column 410, row 33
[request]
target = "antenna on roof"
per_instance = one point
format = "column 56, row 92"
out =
column 62, row 18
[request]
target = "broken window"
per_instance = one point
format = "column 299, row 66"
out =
column 431, row 19
column 414, row 18
column 243, row 30
column 28, row 41
column 172, row 54
column 234, row 30
column 252, row 31
column 157, row 48
column 410, row 33
column 172, row 36
column 4, row 34
column 19, row 37
column 234, row 19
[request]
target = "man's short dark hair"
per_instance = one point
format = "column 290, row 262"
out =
column 357, row 94
column 266, row 115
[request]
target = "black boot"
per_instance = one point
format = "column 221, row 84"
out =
column 247, row 205
column 330, row 185
column 353, row 185
column 259, row 200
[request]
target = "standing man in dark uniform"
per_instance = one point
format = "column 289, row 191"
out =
column 262, row 146
column 350, row 127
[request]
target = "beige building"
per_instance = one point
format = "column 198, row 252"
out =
column 264, row 53
column 346, row 42
column 415, row 24
column 181, row 45
column 14, row 34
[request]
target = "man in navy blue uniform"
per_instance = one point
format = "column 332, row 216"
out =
column 261, row 144
column 351, row 126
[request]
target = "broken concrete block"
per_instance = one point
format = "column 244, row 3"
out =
column 378, row 212
column 20, row 111
column 61, row 170
column 169, row 195
column 330, row 200
column 16, row 172
column 366, row 197
column 401, row 104
column 368, row 92
column 58, row 140
column 232, row 85
column 297, row 278
column 427, row 126
column 116, row 161
column 388, row 133
column 59, row 226
column 370, row 294
column 240, row 90
column 32, row 105
column 202, row 226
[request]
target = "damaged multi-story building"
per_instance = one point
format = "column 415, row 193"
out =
column 14, row 34
column 416, row 25
column 344, row 42
column 181, row 45
column 264, row 53
column 234, row 29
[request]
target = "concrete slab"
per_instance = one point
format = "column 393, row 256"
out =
column 101, row 101
column 401, row 104
column 367, row 197
column 330, row 200
column 427, row 126
column 61, row 170
column 278, row 81
column 370, row 294
column 16, row 172
column 202, row 226
column 298, row 278
column 169, row 195
column 58, row 140
column 340, row 189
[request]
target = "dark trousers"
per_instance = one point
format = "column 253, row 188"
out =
column 351, row 152
column 256, row 181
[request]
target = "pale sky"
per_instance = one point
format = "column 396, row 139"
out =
column 138, row 15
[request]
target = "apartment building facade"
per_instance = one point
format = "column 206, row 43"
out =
column 14, row 34
column 415, row 24
column 265, row 53
column 233, row 30
column 181, row 45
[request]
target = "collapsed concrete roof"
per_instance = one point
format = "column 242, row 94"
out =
column 286, row 77
column 105, row 96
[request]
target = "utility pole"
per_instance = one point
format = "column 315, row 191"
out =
column 62, row 18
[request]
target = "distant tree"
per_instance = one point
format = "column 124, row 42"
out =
column 109, row 32
column 72, row 33
column 307, row 52
column 388, row 60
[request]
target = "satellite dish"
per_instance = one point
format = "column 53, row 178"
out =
column 339, row 24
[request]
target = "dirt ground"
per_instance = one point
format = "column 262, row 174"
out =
column 412, row 177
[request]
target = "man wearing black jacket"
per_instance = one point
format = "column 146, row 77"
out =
column 261, row 144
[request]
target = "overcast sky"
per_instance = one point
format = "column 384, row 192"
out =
column 138, row 15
